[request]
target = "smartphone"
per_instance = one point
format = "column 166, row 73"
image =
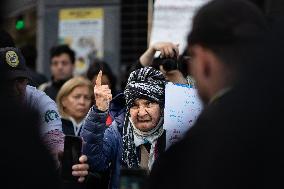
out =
column 133, row 178
column 71, row 155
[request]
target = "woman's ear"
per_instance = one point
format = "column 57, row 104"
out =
column 64, row 101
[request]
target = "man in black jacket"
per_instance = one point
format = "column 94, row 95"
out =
column 226, row 147
column 62, row 67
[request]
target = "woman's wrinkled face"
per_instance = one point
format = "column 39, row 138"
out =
column 145, row 114
column 78, row 102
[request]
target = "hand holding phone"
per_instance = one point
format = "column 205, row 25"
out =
column 71, row 155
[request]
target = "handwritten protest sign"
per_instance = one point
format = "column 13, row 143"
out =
column 173, row 19
column 182, row 108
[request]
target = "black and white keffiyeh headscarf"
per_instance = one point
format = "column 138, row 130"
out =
column 145, row 83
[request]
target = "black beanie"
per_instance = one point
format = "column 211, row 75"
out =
column 145, row 83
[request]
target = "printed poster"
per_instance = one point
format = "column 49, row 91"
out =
column 182, row 108
column 82, row 29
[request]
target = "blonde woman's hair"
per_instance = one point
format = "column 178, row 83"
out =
column 67, row 88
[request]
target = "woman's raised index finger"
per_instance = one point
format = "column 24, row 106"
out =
column 99, row 79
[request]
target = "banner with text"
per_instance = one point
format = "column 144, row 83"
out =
column 182, row 108
column 172, row 20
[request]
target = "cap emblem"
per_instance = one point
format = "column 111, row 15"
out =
column 12, row 58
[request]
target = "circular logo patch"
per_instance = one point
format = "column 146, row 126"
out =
column 12, row 58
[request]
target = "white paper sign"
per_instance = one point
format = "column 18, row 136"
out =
column 173, row 19
column 182, row 108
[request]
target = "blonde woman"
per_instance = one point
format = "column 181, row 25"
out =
column 74, row 100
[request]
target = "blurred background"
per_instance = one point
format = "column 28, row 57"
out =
column 117, row 31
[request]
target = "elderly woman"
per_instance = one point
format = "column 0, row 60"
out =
column 74, row 100
column 136, row 136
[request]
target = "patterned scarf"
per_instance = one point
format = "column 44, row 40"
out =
column 133, row 138
column 145, row 83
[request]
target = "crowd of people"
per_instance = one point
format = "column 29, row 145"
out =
column 233, row 59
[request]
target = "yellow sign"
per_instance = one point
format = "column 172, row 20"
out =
column 83, row 30
column 12, row 58
column 81, row 13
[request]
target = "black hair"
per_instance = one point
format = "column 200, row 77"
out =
column 261, row 4
column 60, row 49
column 228, row 29
column 95, row 68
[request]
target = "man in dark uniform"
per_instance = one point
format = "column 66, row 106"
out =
column 226, row 146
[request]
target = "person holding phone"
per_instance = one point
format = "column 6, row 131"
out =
column 136, row 137
column 12, row 60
